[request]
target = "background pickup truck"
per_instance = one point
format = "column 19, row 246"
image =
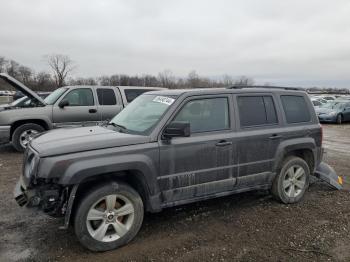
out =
column 65, row 107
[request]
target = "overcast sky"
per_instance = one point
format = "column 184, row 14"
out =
column 290, row 42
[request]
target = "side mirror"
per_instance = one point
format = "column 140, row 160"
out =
column 177, row 129
column 63, row 103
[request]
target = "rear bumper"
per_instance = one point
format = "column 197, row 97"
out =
column 328, row 175
column 5, row 134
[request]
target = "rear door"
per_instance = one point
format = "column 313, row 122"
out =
column 109, row 102
column 258, row 137
column 81, row 108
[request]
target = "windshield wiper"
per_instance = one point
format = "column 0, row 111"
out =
column 121, row 127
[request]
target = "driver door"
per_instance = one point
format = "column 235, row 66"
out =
column 81, row 109
column 202, row 164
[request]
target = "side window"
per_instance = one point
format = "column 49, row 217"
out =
column 106, row 96
column 204, row 115
column 256, row 110
column 80, row 97
column 131, row 94
column 295, row 109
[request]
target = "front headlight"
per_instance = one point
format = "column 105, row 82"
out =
column 31, row 164
column 333, row 113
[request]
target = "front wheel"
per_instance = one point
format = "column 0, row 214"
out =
column 292, row 181
column 24, row 134
column 108, row 217
column 339, row 119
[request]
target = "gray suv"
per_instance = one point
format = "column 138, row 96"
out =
column 68, row 106
column 173, row 147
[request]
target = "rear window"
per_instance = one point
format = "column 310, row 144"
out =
column 131, row 94
column 256, row 110
column 295, row 109
column 106, row 96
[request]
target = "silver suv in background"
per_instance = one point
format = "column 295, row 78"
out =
column 68, row 106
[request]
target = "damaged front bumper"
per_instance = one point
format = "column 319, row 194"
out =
column 328, row 175
column 47, row 198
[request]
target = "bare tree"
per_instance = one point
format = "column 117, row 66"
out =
column 167, row 79
column 25, row 74
column 3, row 63
column 244, row 81
column 61, row 65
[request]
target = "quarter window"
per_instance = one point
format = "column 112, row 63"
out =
column 106, row 96
column 80, row 97
column 205, row 115
column 256, row 110
column 295, row 109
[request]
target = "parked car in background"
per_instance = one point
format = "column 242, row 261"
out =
column 337, row 111
column 316, row 102
column 169, row 148
column 23, row 102
column 329, row 98
column 69, row 106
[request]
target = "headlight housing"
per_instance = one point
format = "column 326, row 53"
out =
column 30, row 164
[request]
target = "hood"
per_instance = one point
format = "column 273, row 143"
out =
column 20, row 87
column 73, row 140
column 322, row 110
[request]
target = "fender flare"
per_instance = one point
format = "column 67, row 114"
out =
column 290, row 145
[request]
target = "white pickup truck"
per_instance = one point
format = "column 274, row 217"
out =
column 67, row 106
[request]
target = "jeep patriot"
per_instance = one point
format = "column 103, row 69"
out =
column 169, row 148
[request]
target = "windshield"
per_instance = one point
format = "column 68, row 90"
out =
column 140, row 116
column 333, row 105
column 19, row 101
column 52, row 98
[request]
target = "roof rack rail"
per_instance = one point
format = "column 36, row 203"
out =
column 275, row 87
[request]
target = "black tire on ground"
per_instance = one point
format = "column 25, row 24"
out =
column 278, row 187
column 19, row 130
column 339, row 119
column 90, row 198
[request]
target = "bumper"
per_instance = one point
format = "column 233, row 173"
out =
column 328, row 175
column 5, row 134
column 327, row 118
column 25, row 197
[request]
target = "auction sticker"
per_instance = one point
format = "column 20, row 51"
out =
column 164, row 100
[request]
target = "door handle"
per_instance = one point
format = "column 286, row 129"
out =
column 224, row 143
column 275, row 136
column 92, row 110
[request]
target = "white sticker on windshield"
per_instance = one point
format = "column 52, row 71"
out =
column 164, row 100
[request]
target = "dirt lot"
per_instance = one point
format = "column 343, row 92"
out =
column 245, row 227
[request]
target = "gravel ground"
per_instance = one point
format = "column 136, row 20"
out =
column 244, row 227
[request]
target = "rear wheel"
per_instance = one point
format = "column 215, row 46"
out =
column 24, row 134
column 292, row 181
column 108, row 217
column 339, row 119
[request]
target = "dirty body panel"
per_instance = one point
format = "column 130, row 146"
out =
column 210, row 162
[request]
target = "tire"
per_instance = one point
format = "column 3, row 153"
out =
column 292, row 180
column 89, row 233
column 339, row 119
column 17, row 138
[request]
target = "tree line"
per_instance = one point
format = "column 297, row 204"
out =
column 60, row 68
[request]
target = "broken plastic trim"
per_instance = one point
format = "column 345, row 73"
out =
column 328, row 175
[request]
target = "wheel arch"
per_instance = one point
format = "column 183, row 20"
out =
column 37, row 121
column 304, row 148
